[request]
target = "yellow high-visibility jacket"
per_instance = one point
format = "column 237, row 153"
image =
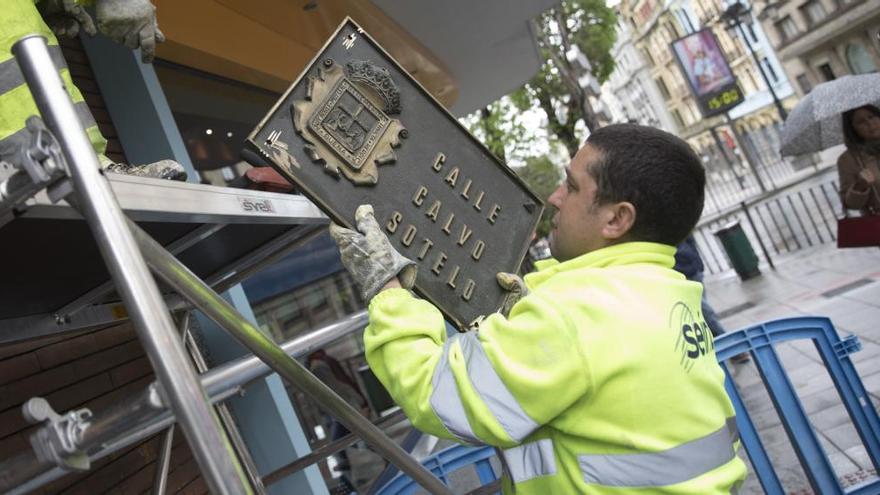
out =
column 602, row 380
column 19, row 18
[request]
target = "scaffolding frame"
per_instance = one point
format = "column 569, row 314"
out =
column 179, row 395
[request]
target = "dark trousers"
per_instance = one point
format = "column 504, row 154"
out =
column 709, row 314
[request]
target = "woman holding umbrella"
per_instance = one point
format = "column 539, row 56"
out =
column 859, row 165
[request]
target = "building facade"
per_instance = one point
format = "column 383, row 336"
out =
column 820, row 40
column 630, row 94
column 740, row 147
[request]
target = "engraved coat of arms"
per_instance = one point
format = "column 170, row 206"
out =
column 345, row 119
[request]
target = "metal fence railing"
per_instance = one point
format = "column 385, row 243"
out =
column 785, row 222
column 752, row 168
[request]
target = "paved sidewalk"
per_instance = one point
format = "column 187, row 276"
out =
column 843, row 285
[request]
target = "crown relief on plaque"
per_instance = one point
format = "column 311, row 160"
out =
column 345, row 119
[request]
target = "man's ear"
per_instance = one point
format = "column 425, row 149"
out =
column 622, row 216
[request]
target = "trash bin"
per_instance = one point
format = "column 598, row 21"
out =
column 739, row 250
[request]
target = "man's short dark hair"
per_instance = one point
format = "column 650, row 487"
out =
column 655, row 171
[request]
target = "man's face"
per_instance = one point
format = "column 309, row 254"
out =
column 579, row 222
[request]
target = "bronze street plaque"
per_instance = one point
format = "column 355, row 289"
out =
column 355, row 128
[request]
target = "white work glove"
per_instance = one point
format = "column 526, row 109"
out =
column 163, row 169
column 66, row 18
column 515, row 288
column 369, row 256
column 131, row 23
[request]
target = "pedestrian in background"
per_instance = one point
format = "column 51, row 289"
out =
column 689, row 263
column 859, row 165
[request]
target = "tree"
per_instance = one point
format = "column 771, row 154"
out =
column 588, row 27
column 543, row 177
column 499, row 128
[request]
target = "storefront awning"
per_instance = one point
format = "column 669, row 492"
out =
column 467, row 54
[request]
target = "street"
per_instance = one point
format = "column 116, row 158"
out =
column 823, row 281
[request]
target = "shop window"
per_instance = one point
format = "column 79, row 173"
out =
column 678, row 120
column 859, row 60
column 694, row 110
column 664, row 90
column 787, row 29
column 804, row 83
column 827, row 72
column 814, row 12
column 213, row 115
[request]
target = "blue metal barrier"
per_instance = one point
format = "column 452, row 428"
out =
column 445, row 462
column 759, row 340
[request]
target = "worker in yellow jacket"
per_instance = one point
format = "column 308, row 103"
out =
column 602, row 379
column 129, row 22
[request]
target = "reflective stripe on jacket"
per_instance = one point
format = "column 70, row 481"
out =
column 17, row 19
column 602, row 380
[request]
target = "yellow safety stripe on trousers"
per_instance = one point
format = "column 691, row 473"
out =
column 17, row 104
column 85, row 118
column 676, row 465
column 447, row 402
column 530, row 460
column 11, row 76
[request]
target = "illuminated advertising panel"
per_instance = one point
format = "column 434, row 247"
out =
column 707, row 72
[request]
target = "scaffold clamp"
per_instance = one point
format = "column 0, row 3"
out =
column 59, row 439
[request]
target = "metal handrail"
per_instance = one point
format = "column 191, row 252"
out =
column 143, row 414
column 188, row 285
column 327, row 450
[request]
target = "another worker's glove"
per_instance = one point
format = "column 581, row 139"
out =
column 131, row 23
column 66, row 18
column 163, row 169
column 369, row 256
column 515, row 290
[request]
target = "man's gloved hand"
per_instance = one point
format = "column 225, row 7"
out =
column 369, row 256
column 514, row 286
column 66, row 18
column 131, row 23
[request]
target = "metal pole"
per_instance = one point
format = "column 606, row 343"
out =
column 160, row 480
column 176, row 247
column 757, row 235
column 721, row 149
column 101, row 428
column 244, row 455
column 181, row 279
column 409, row 444
column 229, row 379
column 327, row 450
column 129, row 272
column 143, row 415
column 741, row 142
column 259, row 259
column 779, row 108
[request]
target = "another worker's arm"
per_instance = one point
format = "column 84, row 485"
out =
column 494, row 386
